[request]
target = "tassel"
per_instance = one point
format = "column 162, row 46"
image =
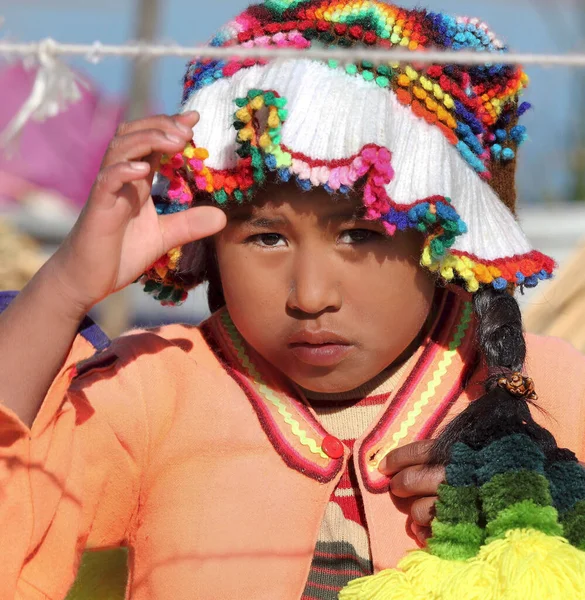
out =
column 525, row 563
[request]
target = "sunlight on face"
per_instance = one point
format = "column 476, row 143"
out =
column 326, row 297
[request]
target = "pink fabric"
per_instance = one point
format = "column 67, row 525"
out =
column 62, row 153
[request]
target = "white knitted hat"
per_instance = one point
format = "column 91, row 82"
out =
column 429, row 142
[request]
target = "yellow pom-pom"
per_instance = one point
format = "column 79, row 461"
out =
column 524, row 565
column 257, row 103
column 244, row 115
column 531, row 564
column 470, row 581
column 386, row 585
column 265, row 141
column 273, row 120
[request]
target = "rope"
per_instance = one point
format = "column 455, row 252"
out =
column 97, row 51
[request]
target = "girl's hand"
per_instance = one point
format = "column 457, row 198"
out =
column 119, row 234
column 415, row 480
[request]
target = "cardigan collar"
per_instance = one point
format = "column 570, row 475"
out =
column 436, row 377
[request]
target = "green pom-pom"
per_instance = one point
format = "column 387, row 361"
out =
column 280, row 6
column 384, row 70
column 455, row 542
column 567, row 484
column 351, row 69
column 437, row 248
column 241, row 102
column 524, row 515
column 574, row 525
column 239, row 125
column 511, row 453
column 282, row 114
column 177, row 296
column 461, row 470
column 220, row 197
column 269, row 98
column 368, row 75
column 457, row 504
column 506, row 489
column 239, row 196
column 333, row 63
column 430, row 218
column 150, row 286
column 254, row 93
column 383, row 81
column 280, row 102
column 165, row 292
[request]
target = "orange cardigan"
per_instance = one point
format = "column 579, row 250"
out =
column 183, row 445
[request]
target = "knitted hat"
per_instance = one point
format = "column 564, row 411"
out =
column 434, row 144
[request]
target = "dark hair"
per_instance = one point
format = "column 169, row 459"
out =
column 198, row 264
column 497, row 413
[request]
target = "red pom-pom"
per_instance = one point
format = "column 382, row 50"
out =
column 304, row 25
column 340, row 28
column 356, row 32
column 322, row 26
column 435, row 71
column 272, row 28
column 370, row 37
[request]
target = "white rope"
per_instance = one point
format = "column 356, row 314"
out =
column 97, row 51
column 56, row 86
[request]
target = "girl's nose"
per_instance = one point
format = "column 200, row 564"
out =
column 314, row 286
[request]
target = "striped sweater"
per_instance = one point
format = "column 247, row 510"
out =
column 342, row 552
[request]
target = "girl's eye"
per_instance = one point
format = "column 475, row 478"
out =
column 357, row 236
column 270, row 240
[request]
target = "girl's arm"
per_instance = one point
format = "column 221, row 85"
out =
column 116, row 238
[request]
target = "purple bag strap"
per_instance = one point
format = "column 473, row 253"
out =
column 88, row 329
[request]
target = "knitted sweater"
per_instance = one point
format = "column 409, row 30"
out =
column 342, row 552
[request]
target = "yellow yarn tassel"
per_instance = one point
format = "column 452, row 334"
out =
column 525, row 564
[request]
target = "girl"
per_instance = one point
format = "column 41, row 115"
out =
column 285, row 447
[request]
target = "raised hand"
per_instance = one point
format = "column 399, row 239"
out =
column 119, row 233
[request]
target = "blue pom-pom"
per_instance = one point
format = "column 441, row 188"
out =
column 500, row 283
column 304, row 184
column 520, row 278
column 531, row 281
column 345, row 189
column 496, row 151
column 270, row 161
column 501, row 135
column 523, row 108
column 284, row 175
column 508, row 154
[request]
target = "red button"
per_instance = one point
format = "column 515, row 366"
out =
column 332, row 447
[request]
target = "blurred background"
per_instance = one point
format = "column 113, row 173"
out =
column 44, row 182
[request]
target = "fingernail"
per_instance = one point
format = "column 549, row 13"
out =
column 174, row 138
column 184, row 128
column 139, row 166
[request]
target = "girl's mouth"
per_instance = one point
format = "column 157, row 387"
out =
column 319, row 348
column 321, row 355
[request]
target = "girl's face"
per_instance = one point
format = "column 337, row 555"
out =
column 323, row 295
